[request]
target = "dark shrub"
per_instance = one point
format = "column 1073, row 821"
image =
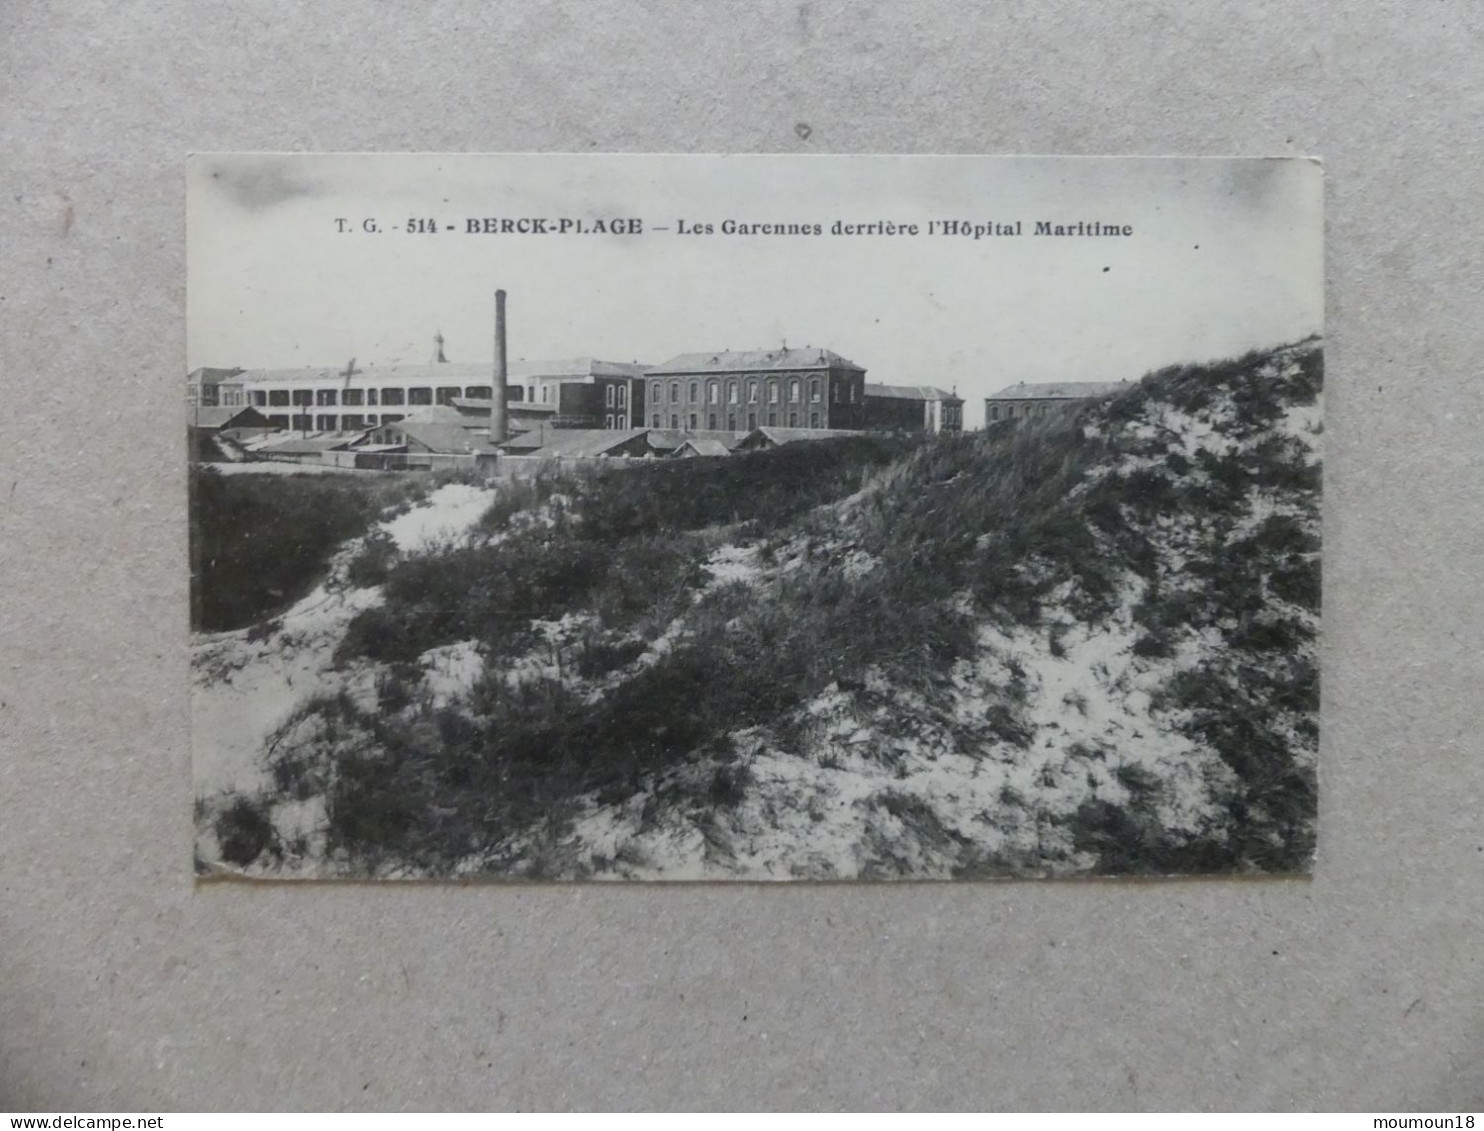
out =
column 729, row 786
column 1142, row 784
column 243, row 831
column 372, row 806
column 598, row 657
column 372, row 565
column 261, row 542
column 767, row 488
column 396, row 686
column 377, row 634
column 1269, row 635
column 1006, row 726
column 1127, row 841
column 1297, row 582
column 1154, row 646
column 523, row 496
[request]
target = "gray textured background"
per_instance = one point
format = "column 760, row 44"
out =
column 122, row 985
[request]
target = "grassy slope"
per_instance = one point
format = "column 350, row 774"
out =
column 896, row 586
column 259, row 543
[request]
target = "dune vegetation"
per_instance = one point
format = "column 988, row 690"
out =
column 1083, row 643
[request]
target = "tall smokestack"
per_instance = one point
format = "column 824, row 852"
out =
column 499, row 424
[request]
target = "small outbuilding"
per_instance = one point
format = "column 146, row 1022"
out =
column 761, row 439
column 228, row 422
column 1038, row 398
column 700, row 446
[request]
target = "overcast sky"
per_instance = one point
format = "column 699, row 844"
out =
column 1225, row 256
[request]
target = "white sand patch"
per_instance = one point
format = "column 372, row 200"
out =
column 1090, row 713
column 865, row 800
column 1306, row 422
column 1261, row 506
column 1181, row 431
column 734, row 563
column 443, row 518
column 243, row 690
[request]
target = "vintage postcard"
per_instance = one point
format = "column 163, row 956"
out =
column 603, row 517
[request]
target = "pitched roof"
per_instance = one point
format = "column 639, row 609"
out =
column 749, row 361
column 209, row 417
column 447, row 439
column 445, row 372
column 793, row 435
column 667, row 440
column 577, row 367
column 206, row 375
column 263, row 440
column 704, row 446
column 307, row 445
column 525, row 442
column 573, row 442
column 441, row 414
column 912, row 393
column 1058, row 390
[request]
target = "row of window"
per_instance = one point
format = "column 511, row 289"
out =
column 734, row 389
column 210, row 397
column 616, row 396
column 351, row 421
column 714, row 421
column 330, row 398
column 1009, row 413
column 329, row 422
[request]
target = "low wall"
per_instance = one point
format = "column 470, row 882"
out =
column 519, row 467
column 401, row 461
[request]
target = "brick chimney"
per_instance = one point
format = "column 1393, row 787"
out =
column 499, row 424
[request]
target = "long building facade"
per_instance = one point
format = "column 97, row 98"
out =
column 582, row 393
column 1040, row 398
column 739, row 390
column 800, row 392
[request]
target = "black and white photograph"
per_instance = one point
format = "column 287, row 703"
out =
column 817, row 518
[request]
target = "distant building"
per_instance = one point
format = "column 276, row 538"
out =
column 665, row 442
column 227, row 421
column 521, row 416
column 287, row 447
column 912, row 408
column 582, row 443
column 582, row 393
column 429, row 438
column 700, row 446
column 1037, row 399
column 738, row 391
column 439, row 430
column 214, row 388
column 355, row 398
column 767, row 397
